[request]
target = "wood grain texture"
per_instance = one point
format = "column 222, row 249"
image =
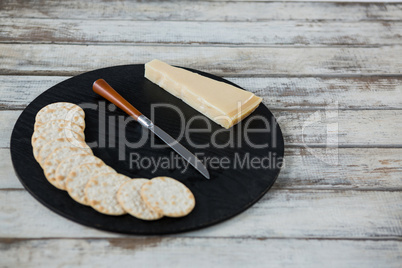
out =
column 279, row 214
column 273, row 33
column 200, row 10
column 322, row 93
column 339, row 128
column 314, row 63
column 16, row 92
column 200, row 252
column 357, row 168
column 324, row 128
column 45, row 59
column 7, row 119
column 8, row 178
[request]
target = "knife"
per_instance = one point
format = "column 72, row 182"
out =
column 102, row 88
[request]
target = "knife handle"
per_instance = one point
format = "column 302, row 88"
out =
column 102, row 88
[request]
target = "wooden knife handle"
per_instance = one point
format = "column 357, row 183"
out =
column 102, row 88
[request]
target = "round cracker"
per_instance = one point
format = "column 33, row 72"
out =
column 78, row 178
column 101, row 193
column 71, row 162
column 51, row 145
column 168, row 196
column 55, row 125
column 129, row 197
column 39, row 142
column 61, row 110
column 54, row 159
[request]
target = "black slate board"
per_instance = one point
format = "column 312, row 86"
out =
column 228, row 192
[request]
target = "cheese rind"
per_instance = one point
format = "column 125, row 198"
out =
column 223, row 103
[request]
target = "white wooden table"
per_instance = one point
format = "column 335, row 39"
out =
column 331, row 74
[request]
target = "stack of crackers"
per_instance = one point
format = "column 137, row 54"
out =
column 68, row 163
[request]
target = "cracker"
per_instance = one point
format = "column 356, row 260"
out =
column 168, row 196
column 101, row 193
column 61, row 110
column 56, row 124
column 71, row 162
column 39, row 142
column 54, row 159
column 51, row 145
column 78, row 178
column 129, row 197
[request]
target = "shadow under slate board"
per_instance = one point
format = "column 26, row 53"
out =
column 231, row 189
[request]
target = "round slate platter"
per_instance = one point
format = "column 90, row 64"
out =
column 232, row 188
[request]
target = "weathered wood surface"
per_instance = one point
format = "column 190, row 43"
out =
column 368, row 128
column 279, row 214
column 205, row 252
column 278, row 92
column 46, row 59
column 359, row 128
column 318, row 65
column 201, row 10
column 355, row 168
column 271, row 33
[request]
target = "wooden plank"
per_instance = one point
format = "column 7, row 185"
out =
column 16, row 92
column 7, row 119
column 45, row 59
column 200, row 252
column 321, row 1
column 215, row 33
column 319, row 93
column 353, row 168
column 280, row 214
column 200, row 10
column 324, row 128
column 357, row 168
column 339, row 127
column 8, row 178
column 324, row 1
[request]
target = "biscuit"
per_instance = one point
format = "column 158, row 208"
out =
column 78, row 178
column 71, row 162
column 60, row 110
column 129, row 197
column 101, row 193
column 40, row 141
column 168, row 196
column 51, row 145
column 56, row 124
column 54, row 159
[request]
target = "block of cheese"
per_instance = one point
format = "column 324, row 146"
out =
column 223, row 103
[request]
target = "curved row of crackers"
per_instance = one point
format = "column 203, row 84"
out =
column 59, row 146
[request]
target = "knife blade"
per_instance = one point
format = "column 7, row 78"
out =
column 175, row 145
column 102, row 88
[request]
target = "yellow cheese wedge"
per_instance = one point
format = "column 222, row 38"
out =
column 225, row 104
